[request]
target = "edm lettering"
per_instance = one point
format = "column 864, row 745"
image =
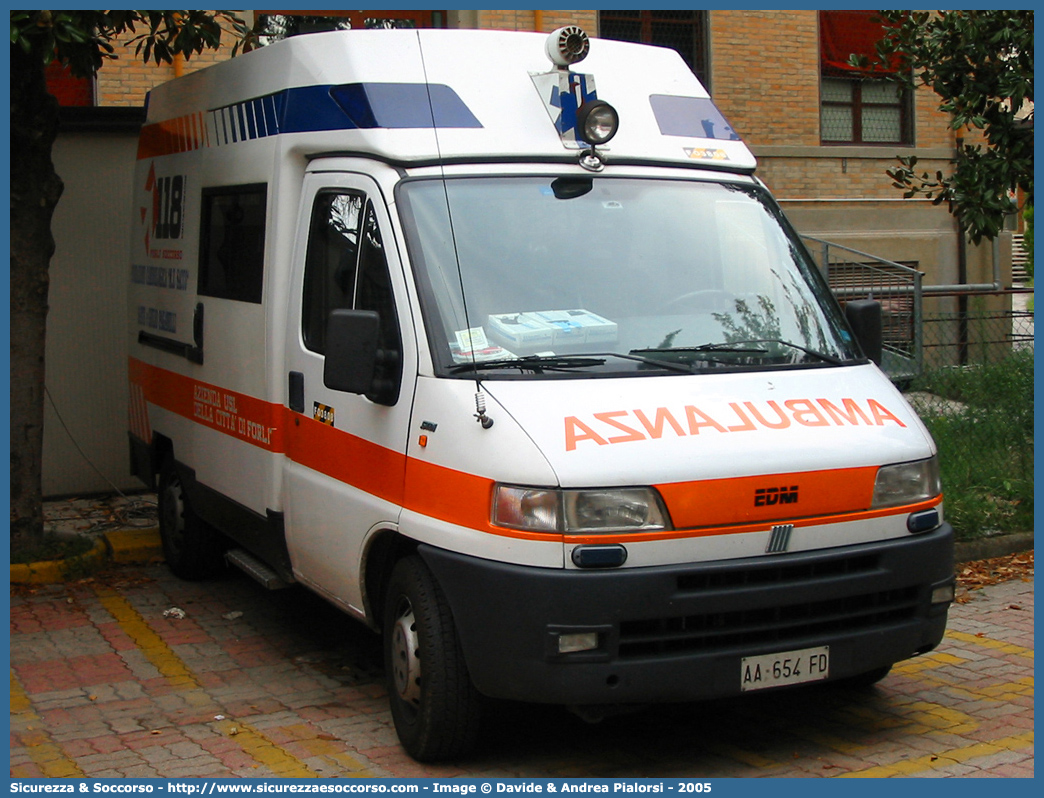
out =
column 767, row 497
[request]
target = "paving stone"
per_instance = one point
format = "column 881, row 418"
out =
column 299, row 688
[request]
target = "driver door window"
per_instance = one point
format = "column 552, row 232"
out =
column 346, row 268
column 332, row 261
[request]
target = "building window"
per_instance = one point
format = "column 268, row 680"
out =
column 859, row 106
column 863, row 111
column 684, row 31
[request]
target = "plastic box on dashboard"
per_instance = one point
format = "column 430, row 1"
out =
column 520, row 330
column 577, row 326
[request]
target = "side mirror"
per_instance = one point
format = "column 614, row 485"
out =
column 864, row 317
column 351, row 350
column 355, row 361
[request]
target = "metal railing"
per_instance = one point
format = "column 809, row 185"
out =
column 989, row 326
column 852, row 274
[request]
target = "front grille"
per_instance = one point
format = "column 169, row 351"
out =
column 778, row 573
column 712, row 631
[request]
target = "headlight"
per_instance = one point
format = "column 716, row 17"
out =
column 906, row 483
column 534, row 509
column 579, row 512
column 613, row 510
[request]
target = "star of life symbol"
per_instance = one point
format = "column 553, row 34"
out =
column 563, row 92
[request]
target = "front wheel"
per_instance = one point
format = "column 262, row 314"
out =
column 436, row 709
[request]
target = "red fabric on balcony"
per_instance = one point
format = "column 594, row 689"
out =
column 846, row 33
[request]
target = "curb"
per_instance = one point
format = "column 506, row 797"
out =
column 125, row 546
column 122, row 546
column 134, row 545
column 998, row 546
column 48, row 571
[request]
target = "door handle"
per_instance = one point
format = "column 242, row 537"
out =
column 296, row 391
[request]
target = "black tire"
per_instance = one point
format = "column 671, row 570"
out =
column 864, row 681
column 193, row 549
column 436, row 709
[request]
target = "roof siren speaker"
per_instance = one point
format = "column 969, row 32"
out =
column 567, row 45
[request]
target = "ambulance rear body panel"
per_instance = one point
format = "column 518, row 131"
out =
column 643, row 365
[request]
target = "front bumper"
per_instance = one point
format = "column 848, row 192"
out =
column 678, row 633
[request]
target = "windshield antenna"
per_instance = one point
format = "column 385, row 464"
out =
column 480, row 397
column 480, row 407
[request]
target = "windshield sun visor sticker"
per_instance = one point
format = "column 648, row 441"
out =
column 706, row 153
column 691, row 117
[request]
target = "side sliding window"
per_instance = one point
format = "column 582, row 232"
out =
column 232, row 242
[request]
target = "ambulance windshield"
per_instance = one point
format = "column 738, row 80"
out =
column 536, row 276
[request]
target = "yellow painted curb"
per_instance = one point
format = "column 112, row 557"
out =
column 49, row 571
column 134, row 545
column 119, row 546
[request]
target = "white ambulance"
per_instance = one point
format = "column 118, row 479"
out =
column 494, row 341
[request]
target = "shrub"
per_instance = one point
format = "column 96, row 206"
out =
column 982, row 422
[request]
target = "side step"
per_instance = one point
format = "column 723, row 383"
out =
column 254, row 568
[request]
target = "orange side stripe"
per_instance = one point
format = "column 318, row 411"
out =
column 698, row 509
column 436, row 491
column 237, row 414
column 170, row 136
column 347, row 458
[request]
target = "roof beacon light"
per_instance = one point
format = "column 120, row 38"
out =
column 597, row 122
column 567, row 46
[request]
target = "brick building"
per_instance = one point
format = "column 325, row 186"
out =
column 776, row 79
column 823, row 136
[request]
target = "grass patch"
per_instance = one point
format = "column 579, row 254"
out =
column 985, row 444
column 52, row 547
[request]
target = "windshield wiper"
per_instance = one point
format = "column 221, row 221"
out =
column 535, row 363
column 740, row 347
column 703, row 348
column 689, row 365
column 810, row 352
column 541, row 363
column 664, row 364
